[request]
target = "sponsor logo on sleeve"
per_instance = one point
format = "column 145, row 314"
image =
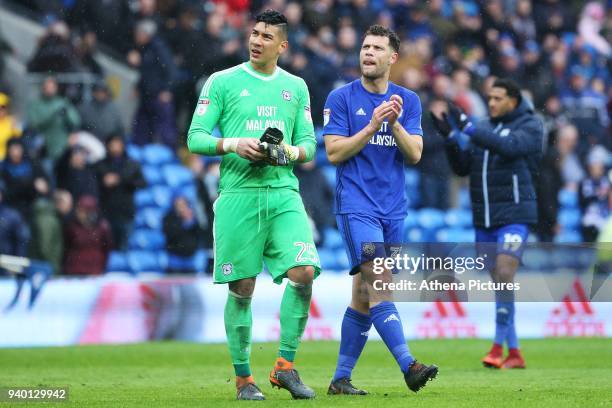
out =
column 326, row 114
column 202, row 106
column 307, row 114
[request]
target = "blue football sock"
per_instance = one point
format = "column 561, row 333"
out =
column 388, row 324
column 353, row 337
column 511, row 337
column 504, row 310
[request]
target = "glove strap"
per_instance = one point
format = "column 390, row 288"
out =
column 292, row 152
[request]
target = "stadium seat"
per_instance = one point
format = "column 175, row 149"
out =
column 458, row 218
column 117, row 262
column 332, row 238
column 431, row 218
column 414, row 234
column 330, row 176
column 157, row 155
column 177, row 175
column 200, row 260
column 150, row 217
column 342, row 259
column 321, row 157
column 568, row 237
column 144, row 261
column 455, row 235
column 189, row 191
column 134, row 152
column 143, row 198
column 328, row 259
column 569, row 218
column 411, row 220
column 568, row 199
column 146, row 239
column 413, row 194
column 152, row 175
column 162, row 197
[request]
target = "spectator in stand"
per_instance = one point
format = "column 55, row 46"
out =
column 434, row 168
column 203, row 207
column 549, row 184
column 595, row 194
column 8, row 124
column 591, row 22
column 47, row 239
column 75, row 175
column 100, row 116
column 87, row 240
column 85, row 48
column 317, row 196
column 14, row 232
column 5, row 49
column 182, row 236
column 55, row 52
column 155, row 118
column 54, row 117
column 571, row 169
column 119, row 177
column 24, row 179
column 107, row 18
column 63, row 204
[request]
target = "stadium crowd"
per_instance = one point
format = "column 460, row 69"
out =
column 66, row 165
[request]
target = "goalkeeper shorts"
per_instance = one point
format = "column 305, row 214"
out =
column 261, row 225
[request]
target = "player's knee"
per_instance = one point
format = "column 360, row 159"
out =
column 243, row 287
column 302, row 274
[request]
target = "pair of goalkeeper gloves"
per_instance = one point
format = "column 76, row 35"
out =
column 454, row 126
column 271, row 145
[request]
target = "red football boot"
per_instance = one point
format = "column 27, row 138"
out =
column 514, row 360
column 495, row 357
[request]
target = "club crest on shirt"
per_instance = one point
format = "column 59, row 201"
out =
column 326, row 114
column 202, row 106
column 286, row 96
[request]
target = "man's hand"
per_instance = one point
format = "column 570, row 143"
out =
column 382, row 112
column 441, row 124
column 245, row 147
column 457, row 118
column 397, row 103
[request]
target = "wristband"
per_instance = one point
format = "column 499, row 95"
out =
column 292, row 152
column 230, row 145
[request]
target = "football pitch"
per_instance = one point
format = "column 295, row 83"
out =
column 560, row 373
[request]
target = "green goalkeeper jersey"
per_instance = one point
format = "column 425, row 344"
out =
column 243, row 103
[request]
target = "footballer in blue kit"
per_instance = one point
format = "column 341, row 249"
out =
column 371, row 128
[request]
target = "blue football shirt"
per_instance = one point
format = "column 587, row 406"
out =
column 372, row 181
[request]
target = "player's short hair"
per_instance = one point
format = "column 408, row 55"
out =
column 382, row 31
column 273, row 18
column 513, row 90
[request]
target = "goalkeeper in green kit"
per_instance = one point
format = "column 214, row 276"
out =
column 263, row 113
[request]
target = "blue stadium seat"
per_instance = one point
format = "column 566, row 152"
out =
column 134, row 152
column 162, row 197
column 189, row 191
column 455, row 235
column 146, row 239
column 342, row 259
column 200, row 260
column 431, row 218
column 413, row 193
column 144, row 261
column 149, row 217
column 157, row 155
column 569, row 218
column 458, row 218
column 412, row 177
column 414, row 234
column 568, row 237
column 568, row 199
column 177, row 175
column 143, row 198
column 328, row 259
column 411, row 220
column 321, row 157
column 117, row 262
column 152, row 175
column 330, row 176
column 332, row 238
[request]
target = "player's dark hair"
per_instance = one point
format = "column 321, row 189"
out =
column 511, row 87
column 273, row 18
column 381, row 31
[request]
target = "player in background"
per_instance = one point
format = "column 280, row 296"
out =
column 259, row 215
column 501, row 155
column 371, row 127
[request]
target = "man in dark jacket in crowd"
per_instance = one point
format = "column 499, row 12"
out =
column 501, row 155
column 14, row 233
column 155, row 119
column 182, row 233
column 119, row 177
column 100, row 116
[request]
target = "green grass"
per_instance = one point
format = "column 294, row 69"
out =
column 560, row 373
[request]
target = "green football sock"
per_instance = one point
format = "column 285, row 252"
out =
column 293, row 317
column 238, row 323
